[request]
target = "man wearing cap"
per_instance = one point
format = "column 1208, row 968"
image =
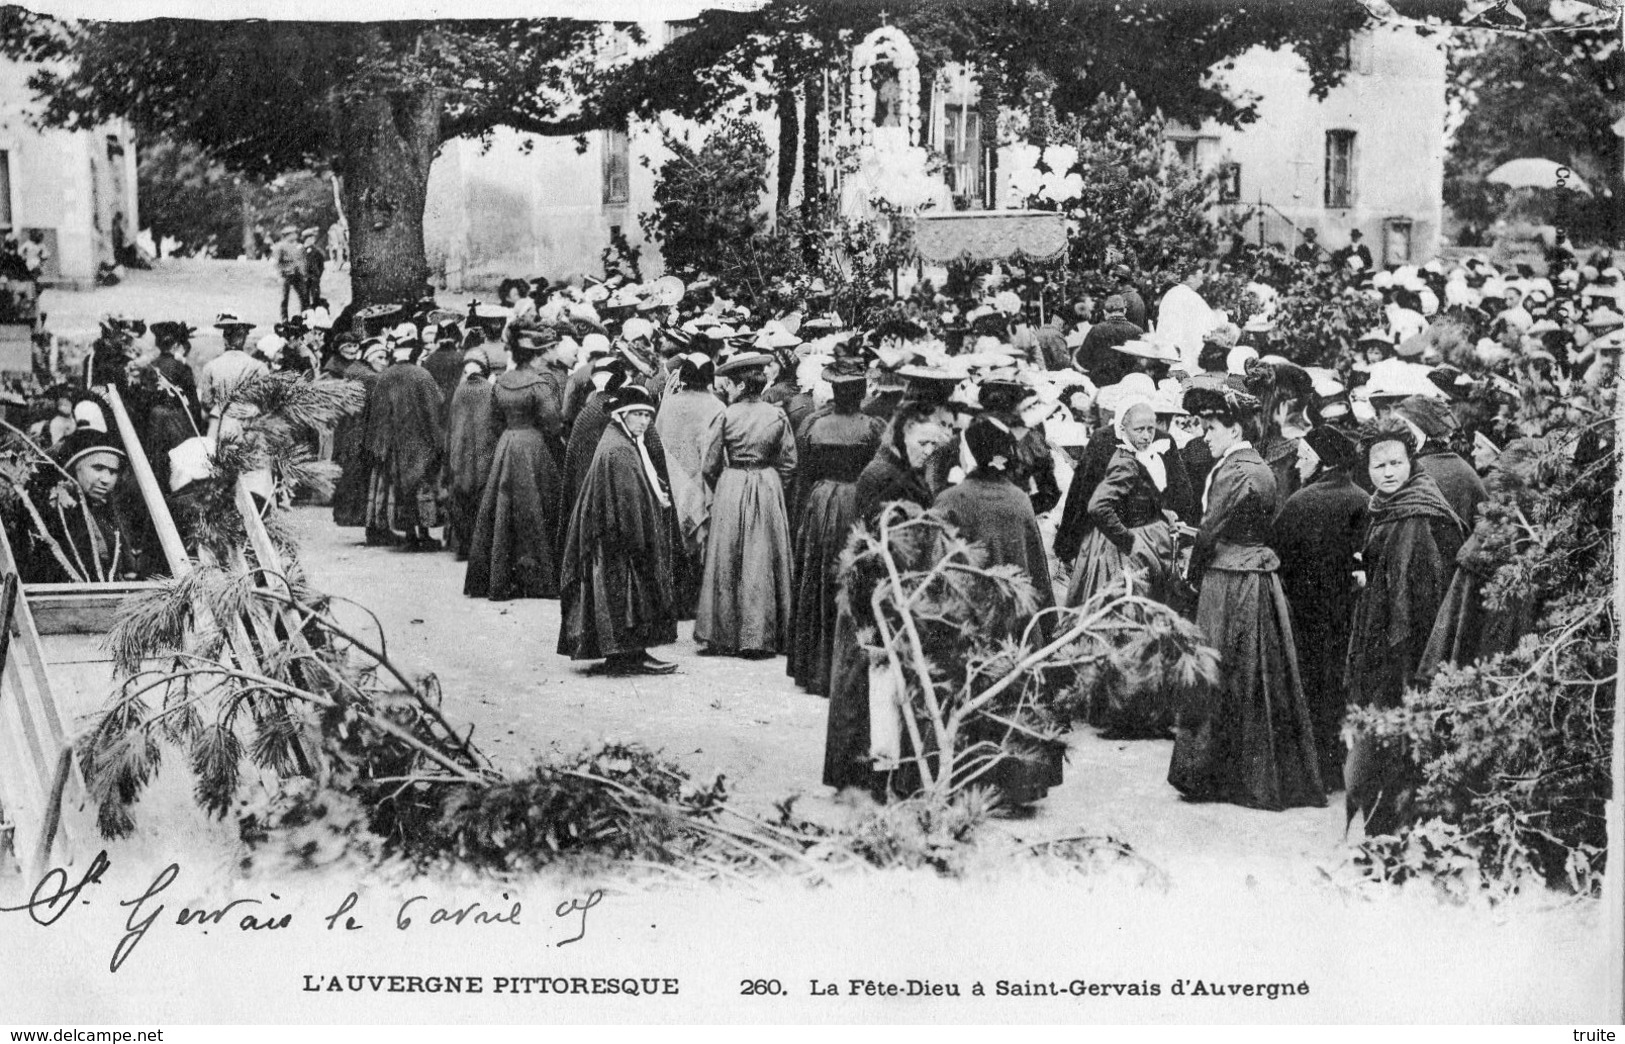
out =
column 404, row 440
column 289, row 257
column 1097, row 356
column 1133, row 303
column 1317, row 536
column 224, row 373
column 616, row 597
column 95, row 543
column 315, row 260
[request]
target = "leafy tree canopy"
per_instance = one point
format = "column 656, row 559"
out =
column 1171, row 55
column 1550, row 94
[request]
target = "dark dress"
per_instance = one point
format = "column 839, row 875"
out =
column 1130, row 533
column 746, row 598
column 887, row 478
column 1281, row 454
column 1076, row 524
column 350, row 452
column 990, row 511
column 406, row 438
column 1409, row 558
column 472, row 430
column 1251, row 741
column 178, row 373
column 1127, row 531
column 1411, row 543
column 445, row 365
column 514, row 550
column 1317, row 536
column 1466, row 630
column 833, row 451
column 616, row 577
column 1463, row 490
column 681, row 428
column 1033, row 470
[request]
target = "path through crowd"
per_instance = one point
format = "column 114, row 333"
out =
column 497, row 665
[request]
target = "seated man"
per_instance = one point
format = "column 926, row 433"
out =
column 86, row 537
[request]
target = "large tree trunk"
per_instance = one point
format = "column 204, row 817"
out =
column 789, row 139
column 388, row 144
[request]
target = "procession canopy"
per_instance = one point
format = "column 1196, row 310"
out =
column 990, row 235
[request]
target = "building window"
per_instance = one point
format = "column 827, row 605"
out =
column 962, row 145
column 1229, row 183
column 7, row 219
column 617, row 164
column 1340, row 168
column 1185, row 152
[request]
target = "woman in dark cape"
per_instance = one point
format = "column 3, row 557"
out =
column 1317, row 536
column 1412, row 539
column 349, row 449
column 472, row 430
column 896, row 474
column 834, row 448
column 405, row 441
column 1466, row 630
column 1463, row 490
column 616, row 598
column 514, row 552
column 1251, row 741
column 746, row 599
column 990, row 511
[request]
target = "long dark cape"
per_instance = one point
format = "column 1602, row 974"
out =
column 616, row 578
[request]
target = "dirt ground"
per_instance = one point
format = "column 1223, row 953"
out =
column 497, row 664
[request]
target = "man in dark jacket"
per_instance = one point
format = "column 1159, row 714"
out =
column 1097, row 356
column 1133, row 303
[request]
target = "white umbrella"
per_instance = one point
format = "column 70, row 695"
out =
column 1534, row 172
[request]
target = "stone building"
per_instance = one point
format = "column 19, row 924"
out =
column 1369, row 156
column 77, row 188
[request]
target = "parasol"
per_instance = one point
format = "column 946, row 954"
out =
column 1535, row 172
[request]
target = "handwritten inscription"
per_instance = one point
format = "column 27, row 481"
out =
column 58, row 891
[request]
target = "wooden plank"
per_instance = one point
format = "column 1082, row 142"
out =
column 169, row 537
column 42, row 717
column 77, row 614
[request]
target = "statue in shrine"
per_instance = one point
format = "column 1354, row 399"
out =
column 888, row 97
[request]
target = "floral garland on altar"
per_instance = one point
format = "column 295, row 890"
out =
column 886, row 43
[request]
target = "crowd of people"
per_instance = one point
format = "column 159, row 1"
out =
column 653, row 453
